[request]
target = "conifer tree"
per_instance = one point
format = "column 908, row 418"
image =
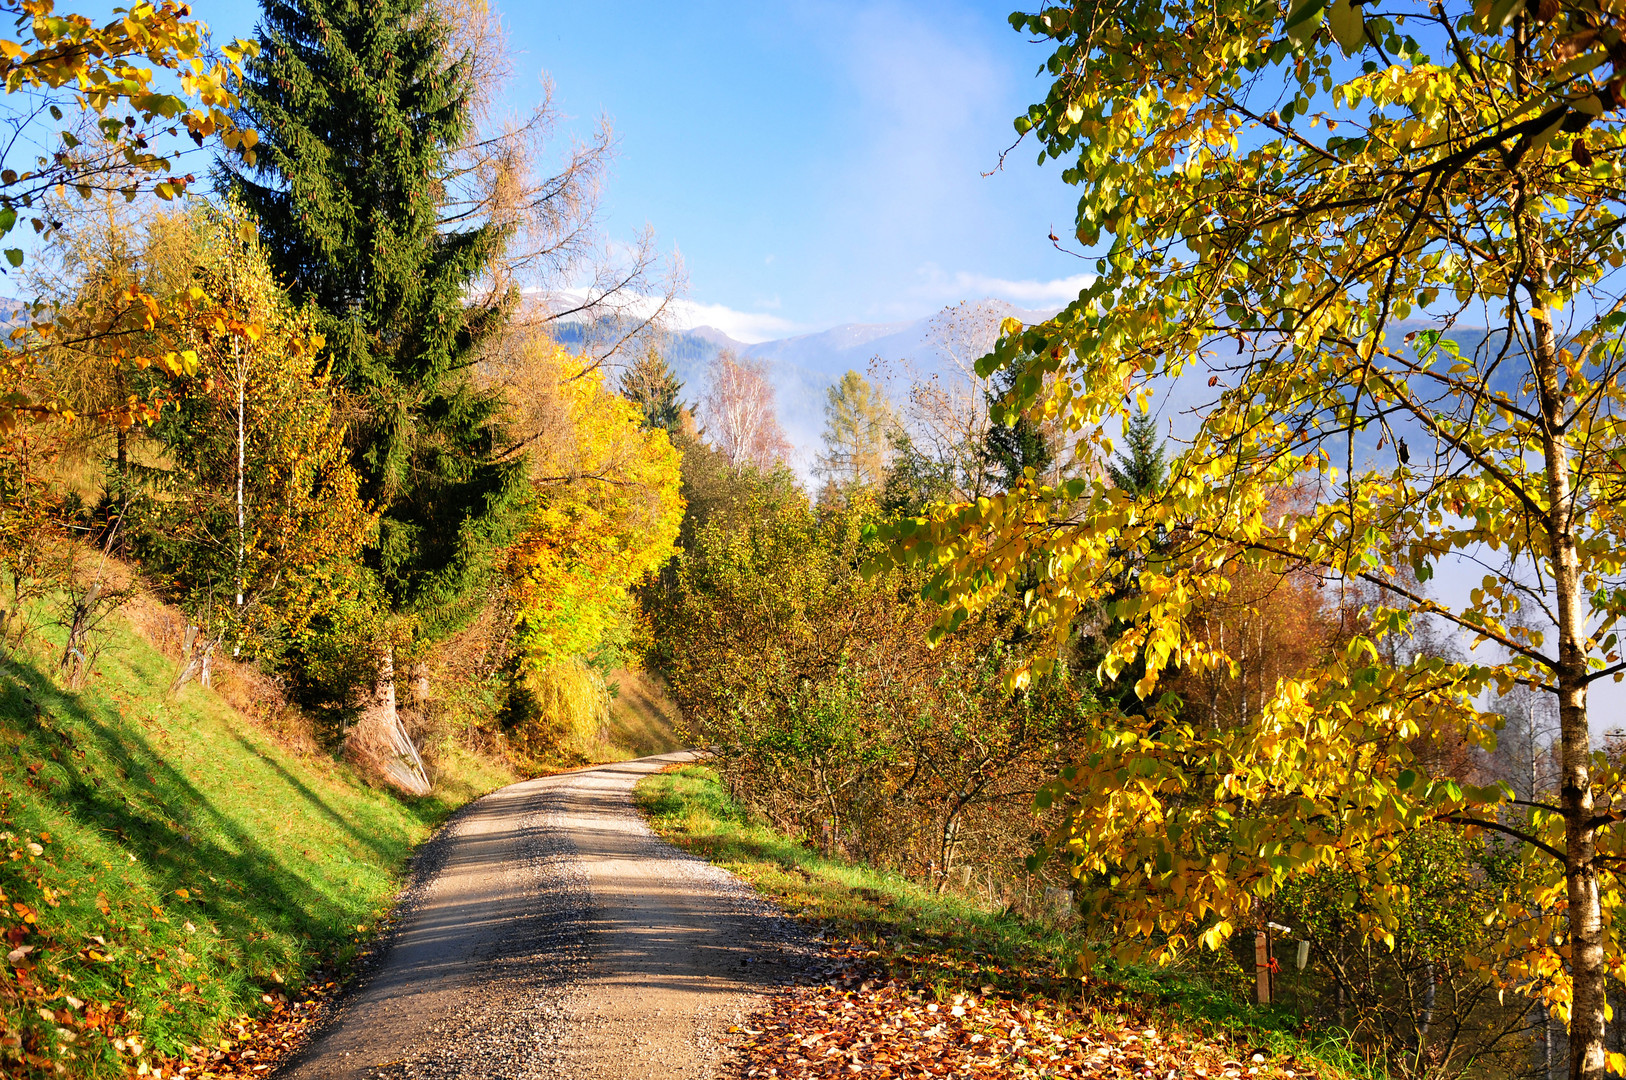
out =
column 858, row 429
column 1142, row 470
column 651, row 385
column 359, row 106
column 1010, row 449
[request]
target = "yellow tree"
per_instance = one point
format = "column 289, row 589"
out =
column 125, row 89
column 1273, row 190
column 606, row 511
column 260, row 522
column 859, row 424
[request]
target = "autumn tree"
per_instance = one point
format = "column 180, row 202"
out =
column 602, row 516
column 115, row 73
column 859, row 425
column 256, row 524
column 136, row 85
column 102, row 250
column 605, row 513
column 1271, row 190
column 738, row 413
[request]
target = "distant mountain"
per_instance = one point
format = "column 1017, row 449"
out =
column 803, row 368
column 834, row 350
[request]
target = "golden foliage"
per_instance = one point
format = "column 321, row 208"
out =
column 607, row 507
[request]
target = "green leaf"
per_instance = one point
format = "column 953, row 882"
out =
column 1305, row 20
column 1348, row 28
column 14, row 256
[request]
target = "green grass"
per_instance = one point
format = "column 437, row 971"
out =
column 171, row 864
column 950, row 943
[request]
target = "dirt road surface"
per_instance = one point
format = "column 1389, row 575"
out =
column 548, row 933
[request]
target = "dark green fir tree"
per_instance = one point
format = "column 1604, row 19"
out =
column 1140, row 468
column 1011, row 449
column 651, row 384
column 360, row 106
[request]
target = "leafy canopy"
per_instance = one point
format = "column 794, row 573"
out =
column 1271, row 190
column 606, row 513
column 110, row 74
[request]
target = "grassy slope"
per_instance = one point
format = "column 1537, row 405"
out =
column 169, row 862
column 949, row 943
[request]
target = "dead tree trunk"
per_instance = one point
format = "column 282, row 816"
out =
column 197, row 658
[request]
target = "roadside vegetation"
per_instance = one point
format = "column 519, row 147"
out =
column 897, row 939
column 1257, row 599
column 173, row 865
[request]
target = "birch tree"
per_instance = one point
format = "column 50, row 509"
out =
column 1267, row 194
column 738, row 411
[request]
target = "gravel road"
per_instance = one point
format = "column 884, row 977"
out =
column 548, row 933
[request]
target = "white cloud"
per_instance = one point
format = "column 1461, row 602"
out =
column 968, row 286
column 747, row 326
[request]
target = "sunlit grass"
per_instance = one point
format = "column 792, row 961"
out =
column 952, row 944
column 191, row 863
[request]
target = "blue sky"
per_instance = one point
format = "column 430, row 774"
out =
column 816, row 163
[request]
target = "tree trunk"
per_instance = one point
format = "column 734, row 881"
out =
column 1430, row 989
column 242, row 417
column 121, row 434
column 197, row 658
column 1585, row 913
column 381, row 740
column 1546, row 1043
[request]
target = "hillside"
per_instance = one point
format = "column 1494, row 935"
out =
column 173, row 864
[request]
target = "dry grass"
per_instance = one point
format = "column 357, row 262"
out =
column 245, row 687
column 643, row 717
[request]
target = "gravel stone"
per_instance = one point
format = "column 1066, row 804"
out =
column 546, row 932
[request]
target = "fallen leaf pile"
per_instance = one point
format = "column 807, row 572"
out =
column 864, row 1020
column 261, row 1042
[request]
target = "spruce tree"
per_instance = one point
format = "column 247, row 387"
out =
column 651, row 385
column 1010, row 449
column 360, row 105
column 1142, row 470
